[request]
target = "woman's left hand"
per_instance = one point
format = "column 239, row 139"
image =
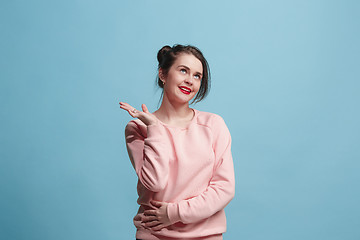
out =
column 156, row 219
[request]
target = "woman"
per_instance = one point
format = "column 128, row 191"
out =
column 182, row 156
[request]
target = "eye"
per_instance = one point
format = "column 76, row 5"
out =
column 183, row 70
column 197, row 76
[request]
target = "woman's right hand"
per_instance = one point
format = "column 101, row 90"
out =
column 145, row 116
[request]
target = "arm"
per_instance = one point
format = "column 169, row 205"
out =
column 221, row 189
column 149, row 156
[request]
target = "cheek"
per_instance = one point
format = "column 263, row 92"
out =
column 198, row 86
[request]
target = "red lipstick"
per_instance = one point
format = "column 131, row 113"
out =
column 185, row 90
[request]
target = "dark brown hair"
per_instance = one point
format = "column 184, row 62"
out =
column 166, row 58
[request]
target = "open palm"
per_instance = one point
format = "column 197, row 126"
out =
column 145, row 116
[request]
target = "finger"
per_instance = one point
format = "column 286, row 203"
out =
column 125, row 106
column 158, row 227
column 148, row 219
column 144, row 108
column 131, row 110
column 150, row 212
column 152, row 224
column 156, row 204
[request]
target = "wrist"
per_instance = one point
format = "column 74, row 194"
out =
column 173, row 213
column 155, row 123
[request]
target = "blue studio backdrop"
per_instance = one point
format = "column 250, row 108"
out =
column 285, row 78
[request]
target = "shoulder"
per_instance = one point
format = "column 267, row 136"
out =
column 216, row 124
column 209, row 119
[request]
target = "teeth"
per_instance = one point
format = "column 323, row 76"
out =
column 185, row 89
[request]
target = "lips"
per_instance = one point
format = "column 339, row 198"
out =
column 185, row 90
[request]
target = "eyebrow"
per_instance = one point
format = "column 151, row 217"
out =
column 184, row 66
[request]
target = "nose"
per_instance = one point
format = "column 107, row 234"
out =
column 188, row 80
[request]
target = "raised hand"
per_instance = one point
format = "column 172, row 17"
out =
column 145, row 116
column 156, row 219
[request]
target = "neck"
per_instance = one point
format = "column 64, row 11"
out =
column 170, row 111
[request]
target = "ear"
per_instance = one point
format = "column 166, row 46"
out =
column 161, row 75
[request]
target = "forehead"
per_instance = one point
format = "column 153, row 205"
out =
column 189, row 61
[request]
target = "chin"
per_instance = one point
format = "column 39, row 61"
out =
column 184, row 101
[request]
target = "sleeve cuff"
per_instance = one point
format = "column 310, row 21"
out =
column 173, row 213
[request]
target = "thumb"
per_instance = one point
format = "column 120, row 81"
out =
column 144, row 108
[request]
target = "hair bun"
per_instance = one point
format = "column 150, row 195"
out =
column 162, row 52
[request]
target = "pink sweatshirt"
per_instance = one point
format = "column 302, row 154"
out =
column 189, row 168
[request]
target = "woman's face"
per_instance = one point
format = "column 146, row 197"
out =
column 183, row 80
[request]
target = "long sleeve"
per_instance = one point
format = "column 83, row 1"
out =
column 221, row 188
column 149, row 155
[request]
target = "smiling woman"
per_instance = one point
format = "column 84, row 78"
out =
column 183, row 77
column 182, row 156
column 167, row 56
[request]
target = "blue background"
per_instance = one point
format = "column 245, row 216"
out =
column 285, row 79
